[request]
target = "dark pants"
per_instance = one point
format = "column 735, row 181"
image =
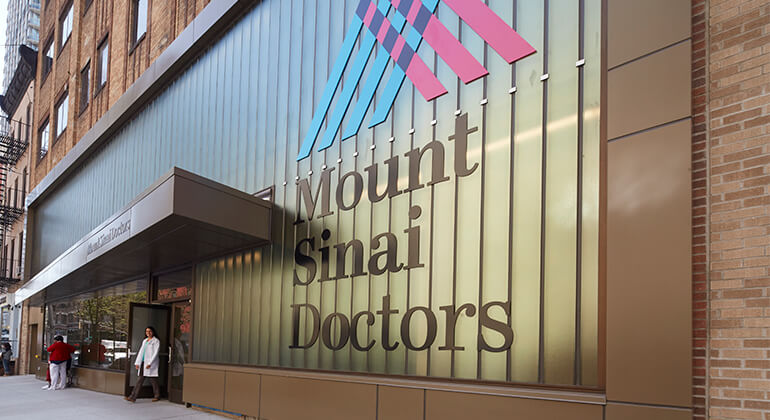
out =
column 140, row 382
column 6, row 367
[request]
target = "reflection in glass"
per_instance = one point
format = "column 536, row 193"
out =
column 96, row 324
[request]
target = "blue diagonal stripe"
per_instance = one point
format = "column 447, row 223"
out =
column 372, row 82
column 351, row 83
column 385, row 104
column 331, row 86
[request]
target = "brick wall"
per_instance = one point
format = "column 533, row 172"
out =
column 738, row 202
column 699, row 211
column 103, row 19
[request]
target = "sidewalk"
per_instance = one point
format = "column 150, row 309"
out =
column 22, row 398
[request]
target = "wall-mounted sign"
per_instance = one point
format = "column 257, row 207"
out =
column 379, row 29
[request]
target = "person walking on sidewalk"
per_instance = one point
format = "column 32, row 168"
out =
column 59, row 353
column 6, row 356
column 147, row 365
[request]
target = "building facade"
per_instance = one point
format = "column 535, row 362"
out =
column 556, row 209
column 22, row 28
column 15, row 161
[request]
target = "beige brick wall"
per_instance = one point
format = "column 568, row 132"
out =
column 103, row 18
column 735, row 130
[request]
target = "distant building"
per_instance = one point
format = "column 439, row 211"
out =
column 23, row 28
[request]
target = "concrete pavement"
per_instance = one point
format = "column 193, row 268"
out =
column 22, row 398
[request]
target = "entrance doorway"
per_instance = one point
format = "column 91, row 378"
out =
column 181, row 337
column 142, row 315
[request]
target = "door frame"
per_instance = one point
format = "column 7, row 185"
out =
column 127, row 373
column 171, row 305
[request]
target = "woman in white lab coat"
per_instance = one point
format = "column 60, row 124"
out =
column 147, row 364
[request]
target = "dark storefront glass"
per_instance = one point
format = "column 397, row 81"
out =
column 173, row 286
column 96, row 324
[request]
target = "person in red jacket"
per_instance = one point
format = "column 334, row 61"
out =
column 58, row 354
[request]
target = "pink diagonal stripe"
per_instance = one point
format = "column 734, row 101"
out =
column 424, row 80
column 412, row 15
column 459, row 59
column 369, row 14
column 510, row 45
column 417, row 71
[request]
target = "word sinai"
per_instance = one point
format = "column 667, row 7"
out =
column 385, row 260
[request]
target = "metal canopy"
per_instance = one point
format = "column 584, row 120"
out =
column 181, row 218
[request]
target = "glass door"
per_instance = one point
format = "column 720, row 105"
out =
column 142, row 315
column 181, row 333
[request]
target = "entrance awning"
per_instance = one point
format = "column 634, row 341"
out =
column 181, row 218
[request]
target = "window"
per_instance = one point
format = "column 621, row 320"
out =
column 21, row 250
column 173, row 286
column 65, row 23
column 44, row 137
column 86, row 5
column 16, row 195
column 24, row 185
column 85, row 77
column 61, row 114
column 48, row 57
column 139, row 23
column 96, row 324
column 10, row 256
column 27, row 123
column 103, row 64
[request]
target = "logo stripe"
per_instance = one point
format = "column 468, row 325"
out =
column 384, row 105
column 331, row 86
column 366, row 94
column 353, row 78
column 403, row 50
column 501, row 37
column 459, row 59
column 416, row 69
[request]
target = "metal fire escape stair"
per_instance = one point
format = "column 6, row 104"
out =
column 11, row 205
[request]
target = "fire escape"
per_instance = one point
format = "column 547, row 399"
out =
column 11, row 207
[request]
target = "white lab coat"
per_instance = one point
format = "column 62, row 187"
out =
column 148, row 355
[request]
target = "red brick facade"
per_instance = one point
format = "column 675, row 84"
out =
column 94, row 22
column 699, row 210
column 731, row 208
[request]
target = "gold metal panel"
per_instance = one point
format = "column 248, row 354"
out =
column 636, row 412
column 242, row 394
column 395, row 403
column 440, row 405
column 286, row 398
column 90, row 379
column 204, row 387
column 648, row 268
column 649, row 92
column 115, row 383
column 636, row 28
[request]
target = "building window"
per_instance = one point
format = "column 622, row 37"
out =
column 102, row 65
column 21, row 251
column 96, row 324
column 65, row 23
column 23, row 185
column 86, row 5
column 44, row 137
column 173, row 286
column 27, row 124
column 139, row 22
column 85, row 77
column 62, row 108
column 48, row 57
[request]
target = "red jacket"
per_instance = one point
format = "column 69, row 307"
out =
column 60, row 351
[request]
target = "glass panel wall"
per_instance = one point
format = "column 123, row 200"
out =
column 96, row 324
